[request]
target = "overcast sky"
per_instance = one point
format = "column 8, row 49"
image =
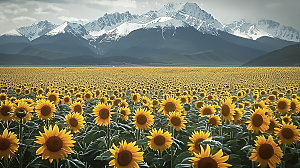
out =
column 16, row 13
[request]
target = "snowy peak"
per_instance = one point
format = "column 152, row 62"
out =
column 263, row 27
column 69, row 27
column 13, row 32
column 36, row 30
column 192, row 14
column 127, row 27
column 109, row 20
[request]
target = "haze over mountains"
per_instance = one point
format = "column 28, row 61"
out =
column 177, row 34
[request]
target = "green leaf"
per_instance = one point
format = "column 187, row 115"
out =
column 104, row 156
column 183, row 166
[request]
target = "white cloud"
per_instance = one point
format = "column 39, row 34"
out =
column 2, row 17
column 73, row 19
column 23, row 19
column 115, row 3
column 12, row 9
column 48, row 9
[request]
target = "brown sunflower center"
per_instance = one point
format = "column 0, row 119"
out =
column 54, row 144
column 286, row 120
column 272, row 126
column 257, row 120
column 293, row 106
column 175, row 121
column 67, row 99
column 213, row 121
column 104, row 113
column 134, row 98
column 4, row 110
column 199, row 104
column 225, row 110
column 281, row 105
column 2, row 97
column 124, row 158
column 207, row 111
column 207, row 162
column 141, row 119
column 87, row 96
column 197, row 144
column 52, row 98
column 170, row 106
column 4, row 143
column 45, row 110
column 266, row 151
column 287, row 133
column 123, row 112
column 73, row 122
column 78, row 108
column 20, row 109
column 159, row 140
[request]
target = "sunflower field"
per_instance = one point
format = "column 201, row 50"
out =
column 174, row 117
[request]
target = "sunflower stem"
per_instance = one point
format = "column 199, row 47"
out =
column 21, row 139
column 172, row 151
column 108, row 136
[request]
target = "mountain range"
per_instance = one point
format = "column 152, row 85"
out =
column 177, row 34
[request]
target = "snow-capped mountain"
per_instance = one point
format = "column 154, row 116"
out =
column 108, row 22
column 263, row 28
column 36, row 30
column 127, row 27
column 72, row 28
column 192, row 14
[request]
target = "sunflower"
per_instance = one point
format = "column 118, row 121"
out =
column 257, row 105
column 76, row 107
column 39, row 97
column 160, row 140
column 207, row 110
column 23, row 109
column 214, row 120
column 123, row 103
column 103, row 100
column 273, row 124
column 124, row 113
column 148, row 106
column 283, row 105
column 3, row 97
column 183, row 99
column 55, row 144
column 295, row 106
column 266, row 153
column 288, row 133
column 146, row 100
column 45, row 109
column 237, row 116
column 126, row 156
column 67, row 100
column 199, row 104
column 170, row 104
column 5, row 109
column 143, row 119
column 102, row 112
column 286, row 119
column 258, row 122
column 205, row 159
column 227, row 110
column 53, row 97
column 136, row 98
column 75, row 121
column 8, row 144
column 155, row 103
column 196, row 138
column 88, row 96
column 176, row 120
